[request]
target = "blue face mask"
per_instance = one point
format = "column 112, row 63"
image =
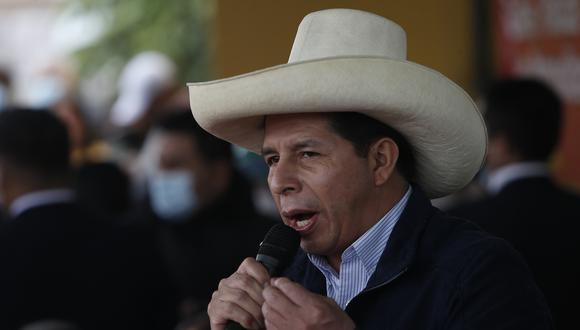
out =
column 46, row 92
column 172, row 194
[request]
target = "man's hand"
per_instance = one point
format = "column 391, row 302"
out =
column 239, row 297
column 288, row 305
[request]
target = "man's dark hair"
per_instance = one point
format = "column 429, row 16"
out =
column 362, row 131
column 34, row 140
column 528, row 113
column 182, row 121
column 103, row 187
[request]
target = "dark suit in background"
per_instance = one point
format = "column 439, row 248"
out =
column 542, row 221
column 58, row 260
column 53, row 260
column 525, row 206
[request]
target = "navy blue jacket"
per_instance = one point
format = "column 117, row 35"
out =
column 440, row 272
column 542, row 221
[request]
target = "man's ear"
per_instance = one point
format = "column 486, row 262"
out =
column 383, row 156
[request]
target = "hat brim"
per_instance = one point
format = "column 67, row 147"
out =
column 438, row 118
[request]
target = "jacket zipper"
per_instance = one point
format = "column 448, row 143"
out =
column 386, row 282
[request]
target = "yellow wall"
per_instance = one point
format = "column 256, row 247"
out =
column 254, row 34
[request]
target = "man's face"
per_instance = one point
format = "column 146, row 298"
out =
column 179, row 152
column 320, row 186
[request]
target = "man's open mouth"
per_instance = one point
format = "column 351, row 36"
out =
column 304, row 219
column 299, row 219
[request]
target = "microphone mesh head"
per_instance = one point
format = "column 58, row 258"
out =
column 281, row 242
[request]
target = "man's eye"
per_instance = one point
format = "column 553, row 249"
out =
column 270, row 161
column 309, row 154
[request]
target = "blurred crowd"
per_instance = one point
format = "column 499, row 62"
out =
column 132, row 223
column 125, row 225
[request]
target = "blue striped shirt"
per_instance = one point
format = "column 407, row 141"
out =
column 360, row 259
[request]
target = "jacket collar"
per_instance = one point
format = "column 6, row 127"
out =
column 40, row 198
column 402, row 246
column 399, row 252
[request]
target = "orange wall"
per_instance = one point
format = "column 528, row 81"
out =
column 254, row 34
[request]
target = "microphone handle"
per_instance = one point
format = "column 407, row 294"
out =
column 231, row 325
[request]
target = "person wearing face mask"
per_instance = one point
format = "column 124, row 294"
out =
column 205, row 218
column 172, row 195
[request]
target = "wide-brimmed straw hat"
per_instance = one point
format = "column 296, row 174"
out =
column 351, row 60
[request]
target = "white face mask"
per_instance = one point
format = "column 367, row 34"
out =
column 172, row 194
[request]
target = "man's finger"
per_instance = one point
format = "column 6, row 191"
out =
column 244, row 283
column 255, row 269
column 296, row 294
column 278, row 301
column 239, row 291
column 234, row 312
column 272, row 317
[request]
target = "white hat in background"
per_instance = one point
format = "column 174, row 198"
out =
column 143, row 78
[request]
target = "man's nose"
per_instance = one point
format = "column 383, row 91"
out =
column 283, row 178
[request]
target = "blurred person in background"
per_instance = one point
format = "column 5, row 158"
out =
column 5, row 89
column 86, row 146
column 524, row 204
column 58, row 260
column 55, row 87
column 50, row 85
column 146, row 83
column 5, row 101
column 103, row 188
column 202, row 205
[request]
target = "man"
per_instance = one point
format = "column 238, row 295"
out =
column 58, row 261
column 358, row 139
column 206, row 220
column 524, row 205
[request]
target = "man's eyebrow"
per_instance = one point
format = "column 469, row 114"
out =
column 305, row 144
column 308, row 143
column 267, row 151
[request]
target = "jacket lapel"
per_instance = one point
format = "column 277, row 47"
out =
column 402, row 246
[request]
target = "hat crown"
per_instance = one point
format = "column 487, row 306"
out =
column 347, row 32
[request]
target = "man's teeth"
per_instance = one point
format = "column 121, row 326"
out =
column 302, row 223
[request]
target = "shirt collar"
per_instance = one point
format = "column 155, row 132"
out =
column 501, row 177
column 370, row 246
column 39, row 198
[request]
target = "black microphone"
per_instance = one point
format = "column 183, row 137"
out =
column 275, row 253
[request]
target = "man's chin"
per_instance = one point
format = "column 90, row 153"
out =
column 312, row 247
